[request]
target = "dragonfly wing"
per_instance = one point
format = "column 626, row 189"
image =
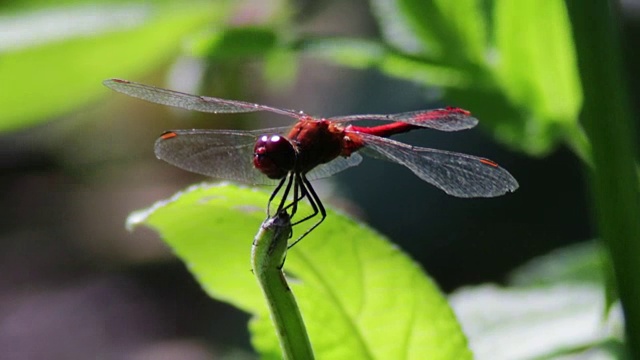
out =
column 334, row 166
column 448, row 119
column 191, row 102
column 456, row 174
column 225, row 154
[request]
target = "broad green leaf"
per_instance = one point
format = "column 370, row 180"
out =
column 359, row 295
column 44, row 79
column 537, row 66
column 467, row 20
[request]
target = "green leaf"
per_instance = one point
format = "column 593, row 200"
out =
column 250, row 43
column 537, row 65
column 356, row 53
column 579, row 263
column 362, row 54
column 507, row 122
column 360, row 296
column 466, row 19
column 556, row 302
column 49, row 75
column 281, row 68
column 394, row 27
column 609, row 122
column 234, row 43
column 529, row 94
column 452, row 31
column 538, row 322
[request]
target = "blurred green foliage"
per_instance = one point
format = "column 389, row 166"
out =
column 521, row 82
column 55, row 60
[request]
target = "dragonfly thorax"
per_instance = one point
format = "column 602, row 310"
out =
column 274, row 156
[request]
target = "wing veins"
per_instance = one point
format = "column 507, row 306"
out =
column 456, row 174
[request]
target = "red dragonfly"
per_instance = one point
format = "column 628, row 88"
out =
column 313, row 148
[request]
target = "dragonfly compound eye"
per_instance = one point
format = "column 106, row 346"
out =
column 274, row 156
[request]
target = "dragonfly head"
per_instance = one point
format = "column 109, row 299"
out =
column 274, row 156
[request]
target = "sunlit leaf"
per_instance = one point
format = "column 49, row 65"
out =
column 359, row 295
column 454, row 31
column 537, row 65
column 466, row 19
column 539, row 322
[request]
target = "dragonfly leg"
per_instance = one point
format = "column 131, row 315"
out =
column 298, row 187
column 312, row 202
column 317, row 206
column 273, row 195
column 285, row 194
column 294, row 203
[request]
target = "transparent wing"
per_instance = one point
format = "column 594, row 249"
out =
column 456, row 174
column 447, row 119
column 334, row 166
column 224, row 154
column 191, row 102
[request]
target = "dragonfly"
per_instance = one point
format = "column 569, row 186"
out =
column 290, row 157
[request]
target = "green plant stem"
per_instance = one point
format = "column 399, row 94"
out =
column 267, row 257
column 606, row 118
